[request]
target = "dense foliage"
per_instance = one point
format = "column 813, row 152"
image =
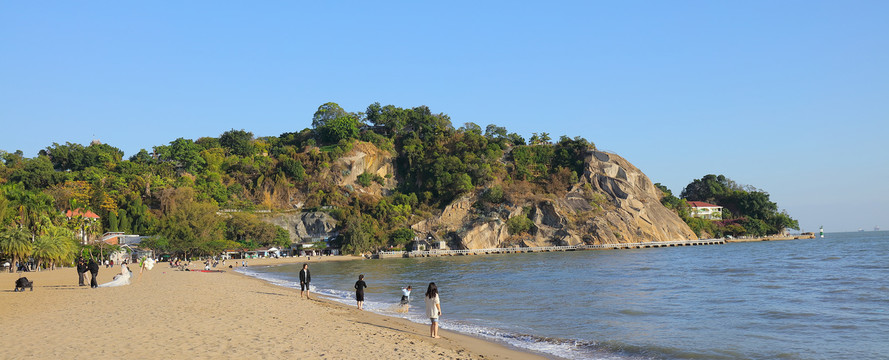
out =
column 747, row 211
column 197, row 196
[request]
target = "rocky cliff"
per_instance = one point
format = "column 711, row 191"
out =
column 304, row 226
column 366, row 158
column 613, row 202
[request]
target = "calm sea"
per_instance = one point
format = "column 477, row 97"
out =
column 801, row 299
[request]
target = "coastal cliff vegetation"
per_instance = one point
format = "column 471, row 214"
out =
column 377, row 172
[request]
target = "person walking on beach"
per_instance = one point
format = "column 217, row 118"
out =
column 359, row 291
column 433, row 308
column 94, row 271
column 304, row 279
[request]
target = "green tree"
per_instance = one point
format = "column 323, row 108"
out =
column 113, row 222
column 5, row 210
column 294, row 169
column 471, row 127
column 33, row 210
column 37, row 173
column 495, row 132
column 327, row 112
column 282, row 237
column 76, row 157
column 157, row 243
column 124, row 224
column 237, row 142
column 186, row 154
column 16, row 243
column 361, row 234
column 341, row 128
column 401, row 237
column 141, row 157
column 190, row 226
column 56, row 246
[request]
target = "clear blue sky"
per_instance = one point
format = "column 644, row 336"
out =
column 789, row 96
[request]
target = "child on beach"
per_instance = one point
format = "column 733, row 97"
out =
column 433, row 308
column 405, row 298
column 359, row 291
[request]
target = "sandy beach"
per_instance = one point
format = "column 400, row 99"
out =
column 177, row 314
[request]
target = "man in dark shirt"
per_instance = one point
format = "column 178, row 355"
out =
column 94, row 270
column 304, row 278
column 81, row 271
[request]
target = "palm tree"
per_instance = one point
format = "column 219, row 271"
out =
column 17, row 244
column 33, row 210
column 57, row 246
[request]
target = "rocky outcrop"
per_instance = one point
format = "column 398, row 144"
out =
column 304, row 226
column 366, row 157
column 638, row 215
column 614, row 202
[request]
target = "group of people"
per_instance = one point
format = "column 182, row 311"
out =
column 91, row 266
column 82, row 267
column 433, row 303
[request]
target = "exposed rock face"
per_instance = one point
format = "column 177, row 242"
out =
column 638, row 215
column 625, row 208
column 304, row 225
column 366, row 157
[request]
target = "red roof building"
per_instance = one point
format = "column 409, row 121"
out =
column 701, row 204
column 79, row 212
column 704, row 210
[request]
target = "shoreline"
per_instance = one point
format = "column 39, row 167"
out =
column 168, row 312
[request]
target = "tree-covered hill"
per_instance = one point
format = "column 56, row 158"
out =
column 175, row 190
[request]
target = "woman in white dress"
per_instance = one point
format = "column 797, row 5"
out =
column 433, row 308
column 120, row 279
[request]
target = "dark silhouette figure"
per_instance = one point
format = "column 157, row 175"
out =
column 81, row 271
column 94, row 271
column 304, row 279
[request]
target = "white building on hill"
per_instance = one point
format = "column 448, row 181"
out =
column 704, row 210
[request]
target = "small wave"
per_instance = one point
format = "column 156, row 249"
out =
column 620, row 350
column 771, row 286
column 775, row 314
column 844, row 327
column 632, row 312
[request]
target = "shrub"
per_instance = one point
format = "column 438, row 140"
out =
column 519, row 224
column 365, row 179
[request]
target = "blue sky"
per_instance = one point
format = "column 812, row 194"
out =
column 789, row 96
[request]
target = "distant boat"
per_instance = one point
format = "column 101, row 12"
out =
column 860, row 230
column 876, row 228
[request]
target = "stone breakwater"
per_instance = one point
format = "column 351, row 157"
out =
column 513, row 250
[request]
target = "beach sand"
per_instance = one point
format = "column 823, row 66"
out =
column 178, row 314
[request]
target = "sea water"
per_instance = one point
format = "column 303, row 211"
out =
column 800, row 299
